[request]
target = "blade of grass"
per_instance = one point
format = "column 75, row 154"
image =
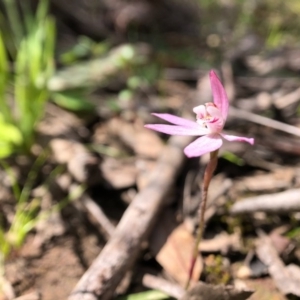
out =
column 42, row 10
column 4, row 74
column 28, row 16
column 15, row 187
column 14, row 20
column 34, row 65
column 32, row 175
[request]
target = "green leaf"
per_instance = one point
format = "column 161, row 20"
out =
column 6, row 149
column 72, row 100
column 233, row 158
column 10, row 134
column 294, row 233
column 3, row 58
column 148, row 295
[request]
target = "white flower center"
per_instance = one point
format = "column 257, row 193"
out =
column 209, row 116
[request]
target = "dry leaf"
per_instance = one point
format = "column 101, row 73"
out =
column 119, row 173
column 142, row 141
column 81, row 163
column 173, row 246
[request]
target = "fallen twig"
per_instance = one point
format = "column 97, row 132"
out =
column 242, row 114
column 288, row 99
column 283, row 276
column 118, row 255
column 283, row 144
column 266, row 84
column 171, row 289
column 31, row 296
column 96, row 211
column 222, row 242
column 280, row 202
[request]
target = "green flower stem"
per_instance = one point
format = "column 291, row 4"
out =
column 210, row 168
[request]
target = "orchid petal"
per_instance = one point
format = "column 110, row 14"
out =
column 219, row 94
column 203, row 145
column 177, row 130
column 177, row 120
column 233, row 138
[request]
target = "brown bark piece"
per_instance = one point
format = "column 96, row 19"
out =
column 203, row 291
column 119, row 254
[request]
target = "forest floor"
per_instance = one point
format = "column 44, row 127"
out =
column 98, row 163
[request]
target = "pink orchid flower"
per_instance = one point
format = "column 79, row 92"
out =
column 210, row 120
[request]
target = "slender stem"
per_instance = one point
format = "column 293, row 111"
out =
column 209, row 170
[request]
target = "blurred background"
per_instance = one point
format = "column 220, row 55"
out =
column 80, row 78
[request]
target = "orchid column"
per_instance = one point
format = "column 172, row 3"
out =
column 210, row 121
